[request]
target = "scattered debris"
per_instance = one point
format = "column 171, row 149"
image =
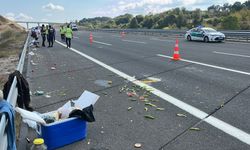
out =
column 195, row 129
column 145, row 108
column 160, row 109
column 138, row 145
column 105, row 93
column 132, row 99
column 47, row 96
column 181, row 115
column 141, row 97
column 88, row 142
column 53, row 68
column 102, row 132
column 31, row 53
column 129, row 108
column 27, row 139
column 150, row 104
column 110, row 82
column 130, row 94
column 38, row 93
column 149, row 117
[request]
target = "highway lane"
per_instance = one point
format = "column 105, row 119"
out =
column 196, row 51
column 218, row 88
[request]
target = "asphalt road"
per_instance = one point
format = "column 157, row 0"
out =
column 211, row 88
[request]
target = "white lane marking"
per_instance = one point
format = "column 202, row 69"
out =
column 102, row 43
column 219, row 124
column 208, row 65
column 76, row 37
column 231, row 54
column 155, row 39
column 236, row 42
column 139, row 42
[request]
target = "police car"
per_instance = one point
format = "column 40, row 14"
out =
column 204, row 34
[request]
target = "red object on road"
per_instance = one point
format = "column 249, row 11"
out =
column 90, row 38
column 176, row 55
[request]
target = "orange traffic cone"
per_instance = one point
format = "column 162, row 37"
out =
column 90, row 38
column 176, row 55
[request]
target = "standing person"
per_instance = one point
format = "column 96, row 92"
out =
column 51, row 36
column 62, row 32
column 43, row 33
column 69, row 36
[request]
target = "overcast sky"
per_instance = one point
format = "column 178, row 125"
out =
column 68, row 10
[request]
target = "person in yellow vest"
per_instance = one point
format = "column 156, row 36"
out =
column 62, row 32
column 69, row 36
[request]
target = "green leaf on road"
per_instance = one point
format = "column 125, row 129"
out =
column 181, row 115
column 149, row 117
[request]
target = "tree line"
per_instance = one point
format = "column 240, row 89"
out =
column 226, row 16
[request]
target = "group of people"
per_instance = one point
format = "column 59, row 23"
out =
column 66, row 34
column 48, row 32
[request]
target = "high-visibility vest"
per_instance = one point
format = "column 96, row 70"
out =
column 62, row 30
column 68, row 33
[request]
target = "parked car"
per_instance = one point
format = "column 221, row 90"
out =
column 204, row 34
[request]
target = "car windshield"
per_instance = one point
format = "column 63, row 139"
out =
column 209, row 30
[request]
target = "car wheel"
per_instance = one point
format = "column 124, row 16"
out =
column 189, row 38
column 206, row 40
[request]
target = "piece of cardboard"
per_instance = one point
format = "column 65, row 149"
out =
column 86, row 99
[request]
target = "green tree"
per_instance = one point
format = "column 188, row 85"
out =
column 134, row 23
column 139, row 18
column 230, row 23
column 123, row 19
column 148, row 22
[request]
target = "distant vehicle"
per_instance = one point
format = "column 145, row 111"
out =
column 73, row 26
column 204, row 34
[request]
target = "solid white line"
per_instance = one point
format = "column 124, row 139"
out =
column 227, row 128
column 139, row 42
column 236, row 42
column 102, row 43
column 155, row 39
column 208, row 65
column 231, row 54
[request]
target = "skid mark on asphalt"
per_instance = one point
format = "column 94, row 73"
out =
column 219, row 124
column 208, row 65
column 231, row 54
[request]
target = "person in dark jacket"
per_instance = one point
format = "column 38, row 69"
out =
column 43, row 33
column 23, row 97
column 51, row 35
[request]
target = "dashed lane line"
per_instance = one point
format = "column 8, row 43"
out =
column 102, row 43
column 139, row 42
column 231, row 54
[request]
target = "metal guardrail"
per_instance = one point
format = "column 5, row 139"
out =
column 237, row 35
column 12, row 97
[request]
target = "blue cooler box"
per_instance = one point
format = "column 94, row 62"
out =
column 64, row 132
